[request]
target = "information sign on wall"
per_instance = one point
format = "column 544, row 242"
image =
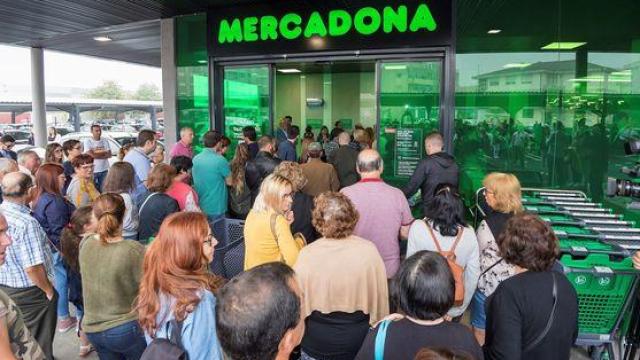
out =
column 408, row 150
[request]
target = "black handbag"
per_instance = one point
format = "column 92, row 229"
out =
column 169, row 348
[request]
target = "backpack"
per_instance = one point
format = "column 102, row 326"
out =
column 456, row 270
column 167, row 349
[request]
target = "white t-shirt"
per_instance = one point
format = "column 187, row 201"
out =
column 100, row 165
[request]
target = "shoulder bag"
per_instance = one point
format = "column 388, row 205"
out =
column 456, row 270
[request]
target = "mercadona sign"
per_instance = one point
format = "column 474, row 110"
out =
column 282, row 30
column 291, row 26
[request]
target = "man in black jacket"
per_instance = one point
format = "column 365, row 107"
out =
column 261, row 166
column 437, row 168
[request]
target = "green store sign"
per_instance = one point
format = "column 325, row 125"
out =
column 366, row 21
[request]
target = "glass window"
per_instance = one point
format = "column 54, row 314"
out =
column 192, row 75
column 409, row 110
column 246, row 102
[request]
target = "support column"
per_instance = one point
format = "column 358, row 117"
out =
column 13, row 117
column 38, row 102
column 152, row 117
column 169, row 83
column 75, row 117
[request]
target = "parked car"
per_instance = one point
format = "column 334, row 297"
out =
column 123, row 137
column 22, row 147
column 21, row 136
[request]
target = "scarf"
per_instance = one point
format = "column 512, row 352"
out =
column 497, row 221
column 89, row 188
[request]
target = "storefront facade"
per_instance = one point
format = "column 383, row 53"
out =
column 547, row 91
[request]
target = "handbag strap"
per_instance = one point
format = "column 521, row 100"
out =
column 274, row 217
column 381, row 337
column 435, row 239
column 491, row 267
column 552, row 316
column 175, row 335
column 145, row 202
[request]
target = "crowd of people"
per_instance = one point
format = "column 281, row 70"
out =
column 129, row 244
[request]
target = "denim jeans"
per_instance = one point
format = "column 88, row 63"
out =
column 60, row 284
column 98, row 179
column 123, row 342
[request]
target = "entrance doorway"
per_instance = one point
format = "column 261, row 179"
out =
column 399, row 101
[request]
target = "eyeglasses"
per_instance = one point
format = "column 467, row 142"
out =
column 209, row 240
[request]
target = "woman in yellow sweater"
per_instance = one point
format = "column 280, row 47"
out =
column 267, row 234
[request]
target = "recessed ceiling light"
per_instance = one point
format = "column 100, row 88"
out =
column 494, row 31
column 395, row 67
column 102, row 38
column 202, row 61
column 289, row 71
column 563, row 45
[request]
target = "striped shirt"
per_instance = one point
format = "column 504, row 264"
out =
column 29, row 248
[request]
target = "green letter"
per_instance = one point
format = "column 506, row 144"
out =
column 315, row 26
column 339, row 22
column 268, row 27
column 231, row 33
column 288, row 33
column 397, row 19
column 374, row 22
column 250, row 28
column 423, row 19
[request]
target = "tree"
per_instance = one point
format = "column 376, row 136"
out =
column 147, row 92
column 109, row 90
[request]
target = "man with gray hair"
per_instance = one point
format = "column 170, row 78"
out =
column 184, row 146
column 29, row 162
column 6, row 166
column 320, row 176
column 345, row 161
column 384, row 211
column 25, row 275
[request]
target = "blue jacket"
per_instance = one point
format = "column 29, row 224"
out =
column 53, row 213
column 287, row 151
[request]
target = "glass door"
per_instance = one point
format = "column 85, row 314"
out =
column 409, row 94
column 246, row 101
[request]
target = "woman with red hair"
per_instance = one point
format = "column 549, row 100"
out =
column 53, row 212
column 176, row 288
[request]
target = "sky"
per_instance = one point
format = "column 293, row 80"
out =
column 69, row 70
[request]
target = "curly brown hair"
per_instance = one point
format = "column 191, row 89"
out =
column 334, row 215
column 529, row 242
column 160, row 178
column 293, row 172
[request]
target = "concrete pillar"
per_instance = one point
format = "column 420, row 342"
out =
column 38, row 102
column 154, row 120
column 75, row 117
column 169, row 83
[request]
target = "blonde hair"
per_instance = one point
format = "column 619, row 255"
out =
column 506, row 190
column 292, row 172
column 272, row 192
